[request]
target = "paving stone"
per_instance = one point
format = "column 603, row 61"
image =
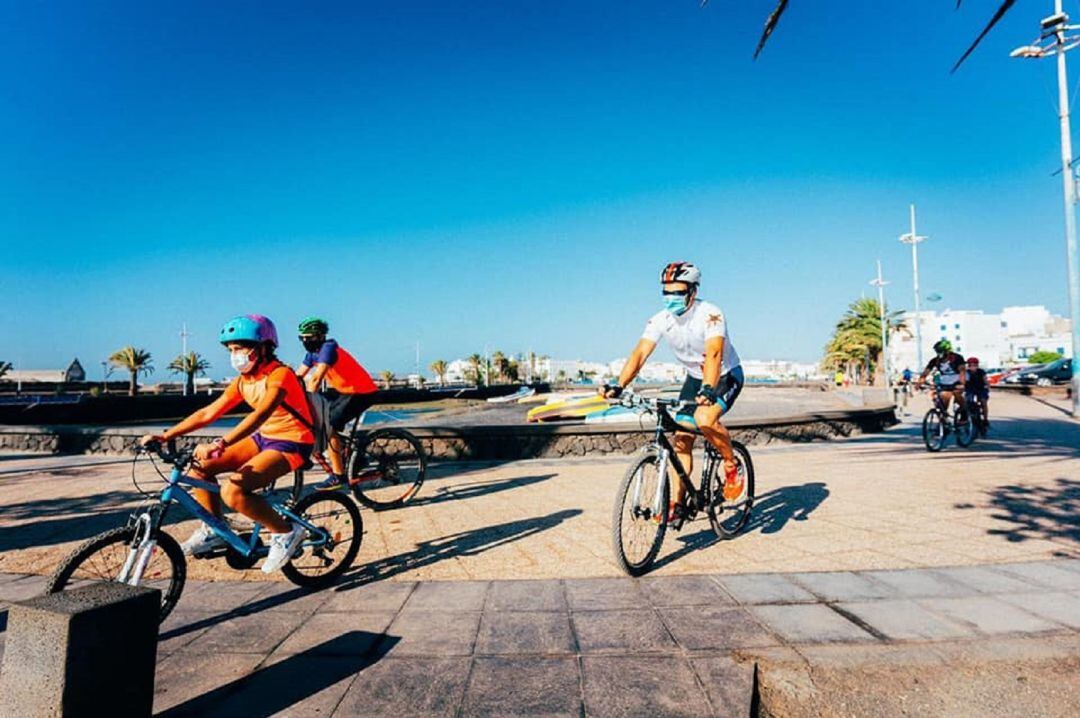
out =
column 185, row 677
column 22, row 588
column 316, row 635
column 601, row 594
column 249, row 633
column 904, row 619
column 984, row 579
column 729, row 684
column 1061, row 607
column 633, row 686
column 281, row 596
column 841, row 585
column 543, row 632
column 221, row 596
column 1072, row 564
column 433, row 633
column 413, row 687
column 704, row 628
column 989, row 615
column 764, row 588
column 1044, row 573
column 525, row 596
column 538, row 688
column 627, row 631
column 684, row 591
column 448, row 596
column 918, row 583
column 813, row 623
column 378, row 597
column 183, row 627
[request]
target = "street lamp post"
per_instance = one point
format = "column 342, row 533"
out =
column 914, row 239
column 880, row 283
column 1052, row 40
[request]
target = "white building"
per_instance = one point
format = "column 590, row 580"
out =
column 779, row 370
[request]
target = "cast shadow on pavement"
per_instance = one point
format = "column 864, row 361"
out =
column 461, row 492
column 274, row 689
column 1036, row 512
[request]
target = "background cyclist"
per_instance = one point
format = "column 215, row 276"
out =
column 697, row 333
column 347, row 387
column 268, row 443
column 977, row 388
column 951, row 373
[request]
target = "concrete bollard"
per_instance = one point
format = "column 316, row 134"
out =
column 84, row 652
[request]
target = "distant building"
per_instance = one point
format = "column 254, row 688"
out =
column 74, row 373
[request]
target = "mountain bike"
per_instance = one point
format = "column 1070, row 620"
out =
column 142, row 554
column 978, row 421
column 640, row 518
column 939, row 422
column 385, row 468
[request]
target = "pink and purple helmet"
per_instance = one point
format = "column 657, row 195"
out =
column 249, row 328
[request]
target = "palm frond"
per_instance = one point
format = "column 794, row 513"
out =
column 770, row 25
column 1002, row 9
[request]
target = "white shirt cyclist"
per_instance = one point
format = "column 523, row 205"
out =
column 686, row 334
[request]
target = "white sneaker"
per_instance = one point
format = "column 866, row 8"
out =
column 203, row 540
column 282, row 548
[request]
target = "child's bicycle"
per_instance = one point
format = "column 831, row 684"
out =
column 939, row 423
column 385, row 468
column 141, row 553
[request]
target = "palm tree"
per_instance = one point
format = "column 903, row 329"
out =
column 856, row 341
column 136, row 362
column 5, row 367
column 387, row 378
column 781, row 5
column 190, row 365
column 438, row 368
column 476, row 363
column 498, row 360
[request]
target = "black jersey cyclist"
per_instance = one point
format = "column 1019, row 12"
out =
column 951, row 373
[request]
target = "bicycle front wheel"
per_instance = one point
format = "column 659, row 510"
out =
column 933, row 430
column 965, row 428
column 387, row 468
column 101, row 558
column 339, row 520
column 728, row 516
column 637, row 530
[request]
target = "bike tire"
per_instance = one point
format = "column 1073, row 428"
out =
column 81, row 556
column 933, row 431
column 631, row 564
column 296, row 570
column 964, row 427
column 393, row 490
column 726, row 528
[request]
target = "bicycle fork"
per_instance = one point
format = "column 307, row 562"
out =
column 139, row 554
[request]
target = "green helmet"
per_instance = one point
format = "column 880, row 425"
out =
column 943, row 346
column 313, row 325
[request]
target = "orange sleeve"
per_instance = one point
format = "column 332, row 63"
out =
column 228, row 400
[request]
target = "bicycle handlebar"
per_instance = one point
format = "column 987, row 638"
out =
column 167, row 452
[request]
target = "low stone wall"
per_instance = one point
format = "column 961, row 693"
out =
column 524, row 441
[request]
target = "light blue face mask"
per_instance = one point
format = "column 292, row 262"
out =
column 676, row 305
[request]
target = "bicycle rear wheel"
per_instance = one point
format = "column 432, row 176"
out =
column 101, row 558
column 387, row 468
column 637, row 532
column 933, row 430
column 339, row 518
column 729, row 516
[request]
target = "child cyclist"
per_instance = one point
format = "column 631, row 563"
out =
column 274, row 439
column 350, row 390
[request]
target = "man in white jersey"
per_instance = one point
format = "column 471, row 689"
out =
column 697, row 333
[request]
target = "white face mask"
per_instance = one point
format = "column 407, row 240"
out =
column 242, row 360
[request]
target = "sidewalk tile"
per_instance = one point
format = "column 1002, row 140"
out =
column 433, row 633
column 221, row 595
column 765, row 588
column 904, row 619
column 1072, row 564
column 630, row 687
column 918, row 583
column 729, row 684
column 250, row 633
column 283, row 596
column 183, row 627
column 448, row 596
column 413, row 687
column 1061, row 607
column 984, row 579
column 704, row 628
column 988, row 615
column 1043, row 573
column 684, row 591
column 316, row 635
column 526, row 596
column 23, row 588
column 841, row 586
column 378, row 597
column 599, row 594
column 809, row 624
column 512, row 687
column 186, row 677
column 639, row 630
column 541, row 632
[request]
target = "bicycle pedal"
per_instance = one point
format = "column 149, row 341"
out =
column 213, row 553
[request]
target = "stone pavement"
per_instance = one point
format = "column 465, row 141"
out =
column 661, row 646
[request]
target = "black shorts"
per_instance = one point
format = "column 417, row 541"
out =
column 727, row 392
column 346, row 407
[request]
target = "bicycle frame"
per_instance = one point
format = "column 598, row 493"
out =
column 666, row 453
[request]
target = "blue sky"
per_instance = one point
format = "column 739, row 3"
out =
column 510, row 174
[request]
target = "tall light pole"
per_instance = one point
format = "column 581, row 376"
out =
column 1052, row 40
column 880, row 283
column 183, row 350
column 914, row 239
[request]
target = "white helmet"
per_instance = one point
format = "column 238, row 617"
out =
column 681, row 272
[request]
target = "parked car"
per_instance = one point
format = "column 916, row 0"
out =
column 1057, row 372
column 1013, row 377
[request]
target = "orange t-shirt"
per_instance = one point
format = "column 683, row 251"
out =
column 251, row 388
column 343, row 372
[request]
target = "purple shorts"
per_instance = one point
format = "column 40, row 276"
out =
column 283, row 445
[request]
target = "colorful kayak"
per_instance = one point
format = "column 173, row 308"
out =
column 618, row 415
column 568, row 409
column 522, row 393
